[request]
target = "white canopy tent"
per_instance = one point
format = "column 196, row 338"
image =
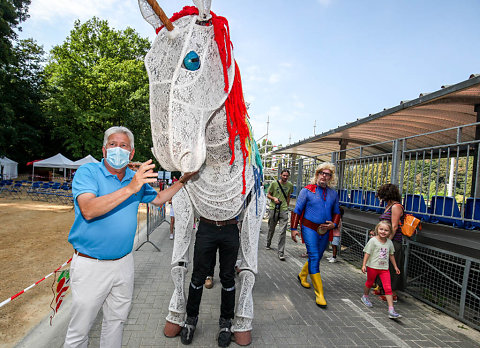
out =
column 86, row 159
column 8, row 168
column 57, row 161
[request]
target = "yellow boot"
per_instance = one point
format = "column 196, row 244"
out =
column 317, row 285
column 302, row 276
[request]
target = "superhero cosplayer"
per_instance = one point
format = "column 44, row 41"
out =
column 317, row 211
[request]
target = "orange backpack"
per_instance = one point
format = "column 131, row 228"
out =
column 410, row 225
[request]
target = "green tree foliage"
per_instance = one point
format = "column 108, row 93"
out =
column 12, row 12
column 21, row 82
column 97, row 79
column 23, row 127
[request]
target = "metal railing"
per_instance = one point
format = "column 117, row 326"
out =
column 155, row 217
column 354, row 239
column 439, row 184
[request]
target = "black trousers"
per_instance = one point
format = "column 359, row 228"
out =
column 209, row 238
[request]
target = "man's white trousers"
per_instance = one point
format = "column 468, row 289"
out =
column 95, row 284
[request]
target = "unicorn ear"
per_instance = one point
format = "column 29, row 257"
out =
column 203, row 9
column 149, row 15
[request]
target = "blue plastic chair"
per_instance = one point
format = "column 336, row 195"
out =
column 472, row 211
column 445, row 214
column 356, row 198
column 344, row 198
column 415, row 204
column 372, row 202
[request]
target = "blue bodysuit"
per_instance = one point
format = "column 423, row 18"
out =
column 319, row 205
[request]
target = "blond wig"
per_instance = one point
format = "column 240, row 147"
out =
column 321, row 167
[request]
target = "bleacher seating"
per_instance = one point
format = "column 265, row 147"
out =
column 372, row 202
column 356, row 198
column 472, row 211
column 344, row 198
column 445, row 210
column 415, row 204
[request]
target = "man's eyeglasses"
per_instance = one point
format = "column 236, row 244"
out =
column 328, row 175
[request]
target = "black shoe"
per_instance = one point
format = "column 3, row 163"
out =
column 225, row 334
column 186, row 335
column 281, row 257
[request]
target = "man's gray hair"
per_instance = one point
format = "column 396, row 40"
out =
column 118, row 129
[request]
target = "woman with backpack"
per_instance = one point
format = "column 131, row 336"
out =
column 393, row 213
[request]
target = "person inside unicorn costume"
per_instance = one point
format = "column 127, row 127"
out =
column 199, row 122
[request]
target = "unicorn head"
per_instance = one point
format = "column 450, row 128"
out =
column 191, row 71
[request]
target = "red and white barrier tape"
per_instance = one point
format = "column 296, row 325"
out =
column 31, row 286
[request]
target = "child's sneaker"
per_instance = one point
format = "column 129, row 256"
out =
column 332, row 260
column 171, row 236
column 393, row 315
column 366, row 301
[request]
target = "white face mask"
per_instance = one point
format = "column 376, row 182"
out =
column 117, row 157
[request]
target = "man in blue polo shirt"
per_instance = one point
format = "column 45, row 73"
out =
column 106, row 197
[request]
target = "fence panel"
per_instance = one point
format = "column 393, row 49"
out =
column 354, row 239
column 447, row 281
column 155, row 217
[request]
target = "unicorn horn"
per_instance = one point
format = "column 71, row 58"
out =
column 159, row 12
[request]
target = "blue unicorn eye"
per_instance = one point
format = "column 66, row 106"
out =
column 191, row 61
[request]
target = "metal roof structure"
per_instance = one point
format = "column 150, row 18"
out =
column 451, row 106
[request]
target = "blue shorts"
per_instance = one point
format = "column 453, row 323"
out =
column 336, row 241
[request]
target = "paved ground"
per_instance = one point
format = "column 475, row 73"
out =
column 285, row 313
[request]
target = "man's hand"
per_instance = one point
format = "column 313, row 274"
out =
column 166, row 195
column 328, row 225
column 144, row 175
column 294, row 234
column 187, row 176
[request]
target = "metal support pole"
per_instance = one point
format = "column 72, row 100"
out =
column 475, row 190
column 396, row 159
column 299, row 177
column 292, row 167
column 405, row 263
column 463, row 296
column 341, row 168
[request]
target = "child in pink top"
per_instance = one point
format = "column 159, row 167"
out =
column 378, row 251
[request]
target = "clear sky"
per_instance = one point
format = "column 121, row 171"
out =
column 303, row 62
